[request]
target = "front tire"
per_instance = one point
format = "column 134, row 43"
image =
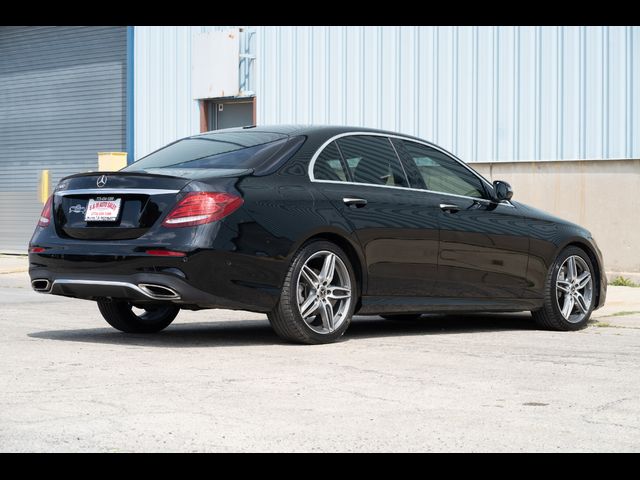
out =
column 318, row 296
column 121, row 316
column 570, row 292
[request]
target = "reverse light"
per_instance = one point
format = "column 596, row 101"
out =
column 165, row 253
column 198, row 208
column 45, row 216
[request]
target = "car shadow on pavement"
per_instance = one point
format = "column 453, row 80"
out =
column 434, row 324
column 258, row 332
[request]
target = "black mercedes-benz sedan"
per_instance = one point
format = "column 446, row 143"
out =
column 310, row 225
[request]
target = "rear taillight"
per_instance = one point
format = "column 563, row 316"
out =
column 45, row 216
column 165, row 253
column 202, row 207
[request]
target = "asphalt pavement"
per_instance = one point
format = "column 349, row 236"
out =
column 221, row 380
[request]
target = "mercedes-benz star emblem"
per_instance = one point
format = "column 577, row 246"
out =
column 102, row 181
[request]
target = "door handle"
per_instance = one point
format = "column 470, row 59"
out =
column 354, row 202
column 446, row 207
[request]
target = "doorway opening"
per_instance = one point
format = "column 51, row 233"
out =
column 219, row 113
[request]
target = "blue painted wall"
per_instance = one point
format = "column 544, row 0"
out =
column 164, row 109
column 485, row 93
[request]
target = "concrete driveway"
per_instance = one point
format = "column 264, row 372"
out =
column 222, row 381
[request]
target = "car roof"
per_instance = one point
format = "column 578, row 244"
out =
column 310, row 130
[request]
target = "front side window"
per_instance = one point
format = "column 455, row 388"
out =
column 441, row 173
column 329, row 165
column 372, row 160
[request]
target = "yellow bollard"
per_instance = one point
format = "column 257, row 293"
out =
column 44, row 187
column 111, row 161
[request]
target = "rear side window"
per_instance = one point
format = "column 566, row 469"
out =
column 238, row 149
column 372, row 160
column 329, row 165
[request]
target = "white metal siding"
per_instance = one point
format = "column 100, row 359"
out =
column 164, row 108
column 62, row 100
column 485, row 93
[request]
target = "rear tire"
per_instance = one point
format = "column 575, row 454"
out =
column 571, row 310
column 120, row 315
column 403, row 317
column 328, row 300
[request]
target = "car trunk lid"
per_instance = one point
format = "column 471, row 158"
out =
column 118, row 205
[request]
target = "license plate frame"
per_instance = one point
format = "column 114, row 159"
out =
column 103, row 209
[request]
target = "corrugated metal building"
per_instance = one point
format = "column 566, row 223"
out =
column 167, row 107
column 62, row 99
column 485, row 93
column 554, row 109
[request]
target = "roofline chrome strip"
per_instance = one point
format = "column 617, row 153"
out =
column 116, row 191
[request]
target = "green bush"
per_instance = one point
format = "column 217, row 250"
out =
column 623, row 282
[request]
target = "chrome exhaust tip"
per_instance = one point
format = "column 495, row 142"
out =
column 159, row 292
column 41, row 285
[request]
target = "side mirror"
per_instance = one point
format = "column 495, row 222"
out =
column 503, row 190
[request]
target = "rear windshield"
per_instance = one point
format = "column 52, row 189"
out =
column 214, row 150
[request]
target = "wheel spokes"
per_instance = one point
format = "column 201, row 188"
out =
column 567, row 307
column 324, row 292
column 328, row 268
column 309, row 306
column 574, row 288
column 310, row 276
column 572, row 271
column 563, row 286
column 581, row 302
column 583, row 280
column 338, row 293
column 326, row 312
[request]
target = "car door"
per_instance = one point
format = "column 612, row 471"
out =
column 483, row 245
column 364, row 179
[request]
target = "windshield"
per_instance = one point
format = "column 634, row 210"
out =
column 214, row 150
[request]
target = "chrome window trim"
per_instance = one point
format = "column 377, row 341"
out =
column 401, row 137
column 115, row 191
column 432, row 192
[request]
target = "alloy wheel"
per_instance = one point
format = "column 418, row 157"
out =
column 324, row 292
column 574, row 289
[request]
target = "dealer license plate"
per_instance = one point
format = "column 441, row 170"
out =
column 102, row 209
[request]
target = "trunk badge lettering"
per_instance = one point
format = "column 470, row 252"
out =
column 102, row 181
column 77, row 209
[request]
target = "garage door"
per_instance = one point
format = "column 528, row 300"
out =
column 62, row 100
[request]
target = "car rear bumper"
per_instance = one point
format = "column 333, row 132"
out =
column 139, row 288
column 203, row 279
